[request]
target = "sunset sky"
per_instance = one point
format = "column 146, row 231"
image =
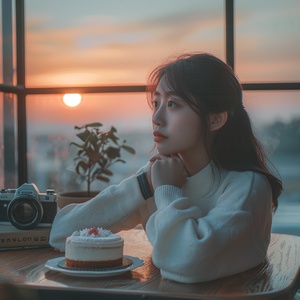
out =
column 114, row 42
column 118, row 42
column 109, row 42
column 78, row 42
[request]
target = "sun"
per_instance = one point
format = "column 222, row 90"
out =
column 72, row 100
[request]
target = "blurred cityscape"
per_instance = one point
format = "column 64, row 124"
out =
column 50, row 158
column 53, row 166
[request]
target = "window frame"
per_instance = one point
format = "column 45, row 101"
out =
column 21, row 91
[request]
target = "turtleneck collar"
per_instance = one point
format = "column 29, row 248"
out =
column 204, row 182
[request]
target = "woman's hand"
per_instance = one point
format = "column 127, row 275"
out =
column 167, row 170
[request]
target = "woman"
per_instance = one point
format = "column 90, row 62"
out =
column 211, row 212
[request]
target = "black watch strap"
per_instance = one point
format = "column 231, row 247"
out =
column 144, row 186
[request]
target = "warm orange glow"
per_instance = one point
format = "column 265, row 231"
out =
column 72, row 100
column 114, row 109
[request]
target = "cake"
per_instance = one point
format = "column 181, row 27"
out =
column 93, row 248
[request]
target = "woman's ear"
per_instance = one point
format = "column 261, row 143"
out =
column 216, row 121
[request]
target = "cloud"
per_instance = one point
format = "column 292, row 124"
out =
column 95, row 49
column 103, row 46
column 110, row 49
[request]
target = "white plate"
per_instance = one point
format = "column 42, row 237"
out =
column 58, row 264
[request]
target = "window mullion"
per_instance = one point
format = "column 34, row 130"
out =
column 229, row 17
column 21, row 96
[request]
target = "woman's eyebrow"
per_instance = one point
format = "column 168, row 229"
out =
column 168, row 93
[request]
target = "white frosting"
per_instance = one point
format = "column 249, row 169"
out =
column 97, row 237
column 96, row 232
column 94, row 244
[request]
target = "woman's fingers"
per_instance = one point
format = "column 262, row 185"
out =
column 167, row 170
column 157, row 156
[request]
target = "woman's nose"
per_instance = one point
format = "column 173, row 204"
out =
column 156, row 118
column 155, row 122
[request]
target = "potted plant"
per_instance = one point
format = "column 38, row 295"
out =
column 97, row 152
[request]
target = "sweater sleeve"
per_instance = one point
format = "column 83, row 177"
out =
column 190, row 246
column 115, row 208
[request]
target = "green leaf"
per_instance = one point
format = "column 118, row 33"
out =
column 75, row 144
column 102, row 162
column 107, row 172
column 112, row 136
column 95, row 124
column 81, row 165
column 84, row 136
column 93, row 156
column 113, row 152
column 120, row 160
column 93, row 139
column 128, row 149
column 102, row 178
column 77, row 159
column 79, row 128
column 80, row 152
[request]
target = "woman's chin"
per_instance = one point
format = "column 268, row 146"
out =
column 163, row 151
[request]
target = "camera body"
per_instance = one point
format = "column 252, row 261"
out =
column 26, row 207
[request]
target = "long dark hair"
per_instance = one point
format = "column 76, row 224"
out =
column 210, row 86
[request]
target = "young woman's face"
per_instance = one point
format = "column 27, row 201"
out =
column 176, row 126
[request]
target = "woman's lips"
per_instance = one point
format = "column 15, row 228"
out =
column 158, row 137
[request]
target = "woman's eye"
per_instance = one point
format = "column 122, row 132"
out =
column 154, row 104
column 172, row 104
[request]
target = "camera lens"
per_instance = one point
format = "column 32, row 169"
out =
column 25, row 213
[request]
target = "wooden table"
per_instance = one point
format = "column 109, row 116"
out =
column 277, row 278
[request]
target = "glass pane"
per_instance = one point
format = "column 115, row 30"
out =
column 267, row 40
column 7, row 42
column 1, row 144
column 51, row 130
column 267, row 107
column 8, row 142
column 276, row 118
column 115, row 42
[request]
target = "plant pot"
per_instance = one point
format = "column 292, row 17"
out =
column 66, row 198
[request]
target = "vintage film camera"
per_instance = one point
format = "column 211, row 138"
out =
column 26, row 207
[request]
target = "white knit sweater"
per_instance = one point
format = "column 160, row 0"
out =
column 217, row 225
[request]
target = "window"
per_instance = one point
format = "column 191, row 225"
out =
column 99, row 44
column 50, row 159
column 267, row 40
column 106, row 55
column 277, row 124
